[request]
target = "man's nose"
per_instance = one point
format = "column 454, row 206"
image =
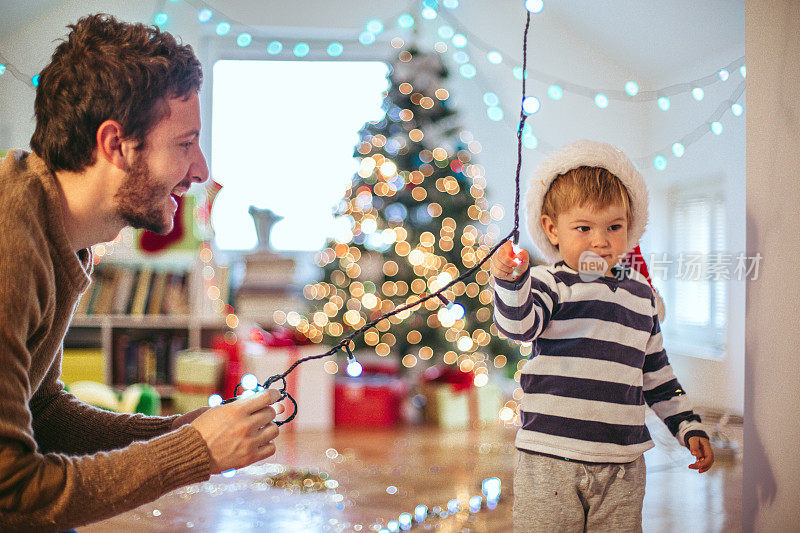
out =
column 199, row 170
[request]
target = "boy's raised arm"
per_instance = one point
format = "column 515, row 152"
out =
column 522, row 305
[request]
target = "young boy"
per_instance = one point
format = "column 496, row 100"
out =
column 597, row 357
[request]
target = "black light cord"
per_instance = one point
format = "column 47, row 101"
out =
column 513, row 236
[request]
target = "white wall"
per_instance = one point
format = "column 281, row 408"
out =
column 554, row 47
column 718, row 384
column 772, row 385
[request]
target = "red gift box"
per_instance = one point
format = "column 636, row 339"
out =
column 373, row 399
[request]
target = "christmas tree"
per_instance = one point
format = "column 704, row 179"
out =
column 417, row 215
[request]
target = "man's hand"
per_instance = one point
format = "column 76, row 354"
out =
column 704, row 455
column 240, row 433
column 506, row 264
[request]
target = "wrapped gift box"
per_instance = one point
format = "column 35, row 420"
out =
column 453, row 401
column 373, row 399
column 309, row 384
column 197, row 376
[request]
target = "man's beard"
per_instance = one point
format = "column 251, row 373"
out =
column 141, row 201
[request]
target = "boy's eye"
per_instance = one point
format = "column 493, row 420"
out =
column 616, row 227
column 583, row 228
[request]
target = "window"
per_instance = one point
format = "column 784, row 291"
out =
column 282, row 138
column 697, row 287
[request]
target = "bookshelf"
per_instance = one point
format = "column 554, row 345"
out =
column 139, row 312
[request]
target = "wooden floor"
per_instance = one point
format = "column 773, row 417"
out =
column 378, row 474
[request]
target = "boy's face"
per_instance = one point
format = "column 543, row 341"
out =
column 170, row 162
column 589, row 229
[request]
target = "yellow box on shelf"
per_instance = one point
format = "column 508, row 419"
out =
column 83, row 364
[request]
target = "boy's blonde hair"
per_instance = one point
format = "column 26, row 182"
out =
column 585, row 186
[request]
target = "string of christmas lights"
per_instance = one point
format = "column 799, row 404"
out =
column 345, row 343
column 460, row 37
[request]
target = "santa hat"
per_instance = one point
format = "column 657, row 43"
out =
column 588, row 154
column 635, row 261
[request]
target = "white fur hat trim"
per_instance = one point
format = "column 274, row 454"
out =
column 590, row 154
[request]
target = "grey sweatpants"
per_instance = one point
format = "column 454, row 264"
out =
column 554, row 495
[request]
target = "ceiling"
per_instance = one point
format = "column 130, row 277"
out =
column 650, row 37
column 656, row 37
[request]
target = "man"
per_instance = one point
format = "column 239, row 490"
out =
column 116, row 140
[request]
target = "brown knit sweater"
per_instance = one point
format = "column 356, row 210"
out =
column 62, row 462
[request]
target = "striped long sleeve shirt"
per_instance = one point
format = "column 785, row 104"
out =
column 597, row 360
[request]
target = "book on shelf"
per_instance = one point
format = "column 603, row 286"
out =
column 135, row 291
column 146, row 357
column 139, row 303
column 154, row 304
column 123, row 293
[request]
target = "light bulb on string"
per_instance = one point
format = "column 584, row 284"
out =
column 660, row 162
column 491, row 488
column 678, row 149
column 335, row 49
column 249, row 382
column 531, row 105
column 716, row 127
column 204, row 15
column 453, row 506
column 275, row 47
column 223, row 28
column 428, row 13
column 698, row 93
column 494, row 57
column 420, row 513
column 161, row 19
column 495, row 113
column 366, row 38
column 405, row 21
column 632, row 88
column 475, row 504
column 736, row 109
column 664, row 103
column 405, row 521
column 468, row 71
column 445, row 32
column 353, row 368
column 244, row 40
column 375, row 26
column 555, row 92
column 601, row 100
column 301, row 49
column 724, row 74
column 534, row 6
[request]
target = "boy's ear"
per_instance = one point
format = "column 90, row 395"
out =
column 550, row 229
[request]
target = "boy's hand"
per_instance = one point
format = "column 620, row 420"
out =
column 506, row 263
column 701, row 449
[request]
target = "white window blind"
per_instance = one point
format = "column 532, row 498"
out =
column 697, row 289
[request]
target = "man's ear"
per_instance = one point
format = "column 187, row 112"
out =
column 550, row 229
column 112, row 147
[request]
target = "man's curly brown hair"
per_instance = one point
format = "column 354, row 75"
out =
column 108, row 70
